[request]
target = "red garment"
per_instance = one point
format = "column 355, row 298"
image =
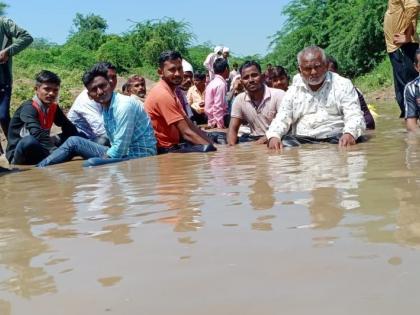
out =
column 46, row 121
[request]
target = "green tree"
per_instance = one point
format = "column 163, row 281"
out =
column 89, row 22
column 150, row 38
column 3, row 7
column 89, row 31
column 118, row 52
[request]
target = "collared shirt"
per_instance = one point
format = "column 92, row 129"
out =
column 258, row 116
column 215, row 101
column 128, row 128
column 182, row 96
column 14, row 39
column 412, row 99
column 195, row 97
column 164, row 109
column 400, row 17
column 86, row 115
column 331, row 110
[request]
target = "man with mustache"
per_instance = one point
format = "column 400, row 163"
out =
column 320, row 106
column 174, row 131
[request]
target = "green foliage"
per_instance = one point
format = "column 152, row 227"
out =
column 378, row 78
column 89, row 22
column 75, row 56
column 350, row 30
column 197, row 55
column 150, row 38
column 3, row 7
column 31, row 56
column 91, row 40
column 119, row 53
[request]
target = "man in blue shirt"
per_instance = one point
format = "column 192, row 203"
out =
column 127, row 125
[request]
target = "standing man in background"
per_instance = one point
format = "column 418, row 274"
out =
column 13, row 39
column 400, row 24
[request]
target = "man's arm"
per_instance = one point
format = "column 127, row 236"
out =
column 354, row 122
column 410, row 14
column 234, row 125
column 22, row 38
column 190, row 133
column 66, row 125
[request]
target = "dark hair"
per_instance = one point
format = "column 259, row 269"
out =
column 46, row 76
column 199, row 76
column 331, row 59
column 168, row 55
column 124, row 87
column 220, row 65
column 250, row 63
column 279, row 71
column 104, row 65
column 417, row 53
column 95, row 71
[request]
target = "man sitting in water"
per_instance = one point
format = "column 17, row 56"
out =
column 126, row 123
column 174, row 131
column 29, row 139
column 320, row 106
column 412, row 98
column 257, row 106
column 86, row 114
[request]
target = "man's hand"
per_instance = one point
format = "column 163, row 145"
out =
column 401, row 38
column 262, row 140
column 346, row 140
column 4, row 56
column 275, row 144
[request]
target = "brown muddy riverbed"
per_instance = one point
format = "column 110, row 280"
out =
column 313, row 230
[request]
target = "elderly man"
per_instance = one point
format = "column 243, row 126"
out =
column 136, row 87
column 320, row 106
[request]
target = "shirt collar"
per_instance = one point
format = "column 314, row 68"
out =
column 267, row 95
column 43, row 107
column 167, row 87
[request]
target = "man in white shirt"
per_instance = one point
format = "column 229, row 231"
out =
column 211, row 58
column 86, row 114
column 320, row 106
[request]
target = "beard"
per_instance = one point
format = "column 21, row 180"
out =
column 315, row 80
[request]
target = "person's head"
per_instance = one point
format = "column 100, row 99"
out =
column 279, row 78
column 136, row 85
column 98, row 85
column 200, row 81
column 218, row 50
column 47, row 87
column 221, row 67
column 225, row 52
column 269, row 66
column 124, row 89
column 170, row 68
column 417, row 60
column 313, row 66
column 187, row 80
column 235, row 66
column 251, row 76
column 111, row 71
column 332, row 64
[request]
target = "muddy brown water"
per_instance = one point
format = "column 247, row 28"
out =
column 314, row 230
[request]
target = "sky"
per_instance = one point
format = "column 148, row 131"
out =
column 242, row 25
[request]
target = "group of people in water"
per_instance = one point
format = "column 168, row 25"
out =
column 189, row 111
column 104, row 126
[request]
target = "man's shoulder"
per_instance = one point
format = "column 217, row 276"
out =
column 340, row 80
column 82, row 100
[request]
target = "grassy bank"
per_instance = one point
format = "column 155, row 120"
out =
column 379, row 78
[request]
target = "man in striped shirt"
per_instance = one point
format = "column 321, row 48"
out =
column 127, row 125
column 412, row 98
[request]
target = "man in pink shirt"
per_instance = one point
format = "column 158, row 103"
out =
column 216, row 107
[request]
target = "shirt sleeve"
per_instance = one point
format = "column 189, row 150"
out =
column 125, row 125
column 22, row 39
column 284, row 117
column 410, row 102
column 237, row 108
column 171, row 110
column 354, row 122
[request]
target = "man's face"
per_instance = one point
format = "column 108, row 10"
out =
column 313, row 69
column 252, row 79
column 100, row 90
column 138, row 88
column 280, row 82
column 187, row 80
column 171, row 72
column 226, row 54
column 112, row 77
column 200, row 84
column 47, row 93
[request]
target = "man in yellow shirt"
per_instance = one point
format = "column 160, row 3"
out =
column 401, row 39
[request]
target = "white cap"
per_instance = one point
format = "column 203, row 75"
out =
column 225, row 49
column 186, row 66
column 218, row 49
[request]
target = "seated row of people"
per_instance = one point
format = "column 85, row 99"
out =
column 319, row 106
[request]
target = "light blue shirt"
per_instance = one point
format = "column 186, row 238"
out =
column 128, row 128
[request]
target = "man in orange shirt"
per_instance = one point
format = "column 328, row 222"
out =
column 400, row 25
column 174, row 131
